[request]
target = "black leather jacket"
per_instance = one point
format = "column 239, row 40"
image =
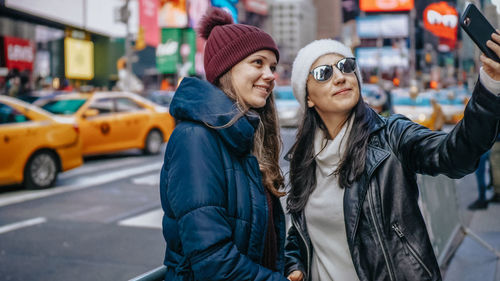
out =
column 386, row 232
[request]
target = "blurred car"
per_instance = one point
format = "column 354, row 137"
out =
column 34, row 96
column 420, row 109
column 161, row 97
column 289, row 111
column 377, row 99
column 36, row 145
column 114, row 121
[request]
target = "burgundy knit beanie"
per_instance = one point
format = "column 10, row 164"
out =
column 228, row 43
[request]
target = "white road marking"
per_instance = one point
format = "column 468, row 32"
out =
column 81, row 183
column 21, row 224
column 150, row 220
column 102, row 166
column 151, row 179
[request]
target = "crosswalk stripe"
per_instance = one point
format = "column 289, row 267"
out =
column 150, row 219
column 151, row 179
column 81, row 183
column 22, row 224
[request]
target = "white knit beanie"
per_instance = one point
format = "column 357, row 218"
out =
column 305, row 59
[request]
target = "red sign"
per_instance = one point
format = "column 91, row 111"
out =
column 441, row 20
column 148, row 20
column 19, row 53
column 385, row 5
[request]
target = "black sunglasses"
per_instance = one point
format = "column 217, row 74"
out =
column 323, row 73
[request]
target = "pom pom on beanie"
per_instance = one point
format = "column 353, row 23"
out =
column 214, row 18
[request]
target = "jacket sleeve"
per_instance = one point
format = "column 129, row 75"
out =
column 196, row 194
column 293, row 256
column 457, row 153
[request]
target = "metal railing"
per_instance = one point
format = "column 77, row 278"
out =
column 156, row 274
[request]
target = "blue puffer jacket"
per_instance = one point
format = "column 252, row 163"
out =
column 212, row 194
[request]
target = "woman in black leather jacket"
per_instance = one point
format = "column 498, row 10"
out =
column 353, row 198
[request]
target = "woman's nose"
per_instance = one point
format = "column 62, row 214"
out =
column 338, row 76
column 268, row 74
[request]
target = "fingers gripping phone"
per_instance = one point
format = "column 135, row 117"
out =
column 479, row 29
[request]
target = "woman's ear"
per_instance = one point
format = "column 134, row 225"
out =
column 310, row 103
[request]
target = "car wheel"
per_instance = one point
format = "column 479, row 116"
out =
column 154, row 140
column 41, row 170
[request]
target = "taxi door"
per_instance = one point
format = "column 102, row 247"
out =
column 133, row 122
column 15, row 132
column 98, row 131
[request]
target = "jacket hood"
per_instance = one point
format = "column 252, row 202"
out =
column 200, row 101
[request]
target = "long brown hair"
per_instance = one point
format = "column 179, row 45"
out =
column 267, row 140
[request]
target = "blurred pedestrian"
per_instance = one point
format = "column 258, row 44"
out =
column 481, row 203
column 354, row 195
column 437, row 117
column 220, row 182
column 495, row 170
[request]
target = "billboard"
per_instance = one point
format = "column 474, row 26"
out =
column 19, row 53
column 176, row 53
column 441, row 19
column 172, row 13
column 386, row 57
column 78, row 59
column 229, row 6
column 196, row 10
column 385, row 26
column 148, row 21
column 385, row 5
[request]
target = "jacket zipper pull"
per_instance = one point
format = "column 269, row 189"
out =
column 401, row 236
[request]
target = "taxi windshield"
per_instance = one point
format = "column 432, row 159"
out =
column 64, row 107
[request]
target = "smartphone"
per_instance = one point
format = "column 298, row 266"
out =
column 479, row 29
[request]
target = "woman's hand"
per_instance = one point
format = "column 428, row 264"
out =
column 296, row 276
column 491, row 67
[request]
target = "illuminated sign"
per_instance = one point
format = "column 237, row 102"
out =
column 441, row 20
column 78, row 59
column 385, row 5
column 148, row 20
column 19, row 53
column 386, row 26
column 176, row 51
column 172, row 13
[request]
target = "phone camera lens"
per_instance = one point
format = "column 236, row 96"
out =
column 467, row 21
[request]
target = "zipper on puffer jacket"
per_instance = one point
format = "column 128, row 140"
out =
column 302, row 236
column 408, row 248
column 379, row 236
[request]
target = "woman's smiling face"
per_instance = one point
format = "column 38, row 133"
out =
column 253, row 78
column 338, row 95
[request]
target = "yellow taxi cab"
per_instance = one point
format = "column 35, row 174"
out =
column 35, row 144
column 114, row 121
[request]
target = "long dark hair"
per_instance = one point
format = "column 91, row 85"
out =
column 303, row 165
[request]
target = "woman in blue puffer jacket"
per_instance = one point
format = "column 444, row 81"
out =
column 220, row 180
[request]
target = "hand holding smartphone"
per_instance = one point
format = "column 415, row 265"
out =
column 479, row 29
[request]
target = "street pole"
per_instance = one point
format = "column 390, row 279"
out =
column 413, row 56
column 125, row 17
column 128, row 49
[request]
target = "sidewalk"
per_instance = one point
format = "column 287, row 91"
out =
column 472, row 261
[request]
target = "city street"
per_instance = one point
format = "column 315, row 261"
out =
column 102, row 221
